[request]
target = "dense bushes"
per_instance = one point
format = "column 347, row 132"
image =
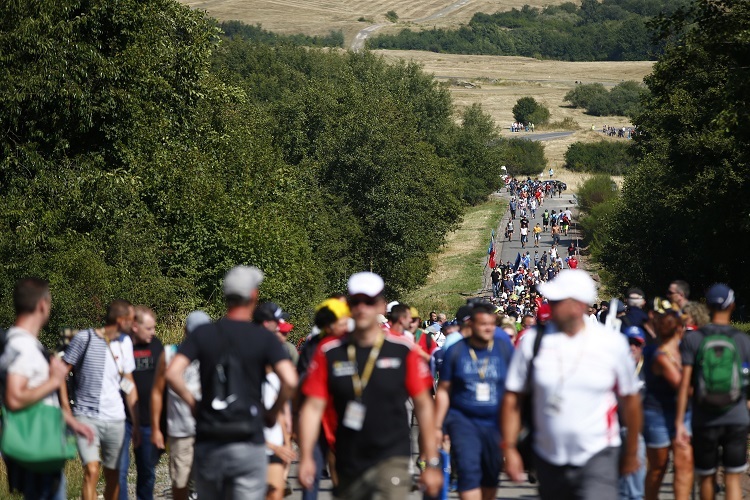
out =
column 611, row 30
column 624, row 99
column 141, row 157
column 527, row 110
column 606, row 157
column 238, row 29
column 597, row 189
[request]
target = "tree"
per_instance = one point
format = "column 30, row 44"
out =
column 527, row 110
column 680, row 206
column 582, row 95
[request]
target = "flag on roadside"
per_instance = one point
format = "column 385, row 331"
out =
column 518, row 262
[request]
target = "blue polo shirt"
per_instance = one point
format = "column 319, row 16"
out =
column 463, row 373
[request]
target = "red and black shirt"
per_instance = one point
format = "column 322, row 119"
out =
column 399, row 373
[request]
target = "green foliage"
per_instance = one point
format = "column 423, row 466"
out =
column 611, row 30
column 524, row 157
column 595, row 190
column 142, row 156
column 583, row 95
column 683, row 204
column 605, row 157
column 391, row 16
column 527, row 110
column 238, row 29
column 624, row 99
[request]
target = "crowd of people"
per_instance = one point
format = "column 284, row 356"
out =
column 619, row 132
column 613, row 389
column 521, row 127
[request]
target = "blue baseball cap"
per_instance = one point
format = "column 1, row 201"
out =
column 635, row 333
column 720, row 296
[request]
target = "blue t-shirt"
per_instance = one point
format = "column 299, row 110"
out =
column 463, row 373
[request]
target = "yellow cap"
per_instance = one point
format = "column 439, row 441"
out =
column 337, row 306
column 414, row 312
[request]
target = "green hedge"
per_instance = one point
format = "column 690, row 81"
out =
column 605, row 157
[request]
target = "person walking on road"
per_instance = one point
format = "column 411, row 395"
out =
column 103, row 364
column 30, row 377
column 367, row 377
column 472, row 382
column 180, row 422
column 574, row 381
column 230, row 453
column 713, row 360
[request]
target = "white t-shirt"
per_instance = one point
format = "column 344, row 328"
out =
column 581, row 375
column 24, row 357
column 110, row 402
column 270, row 391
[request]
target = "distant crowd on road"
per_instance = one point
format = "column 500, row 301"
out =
column 619, row 132
column 521, row 127
column 586, row 398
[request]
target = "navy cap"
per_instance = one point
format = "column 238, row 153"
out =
column 463, row 314
column 635, row 333
column 720, row 296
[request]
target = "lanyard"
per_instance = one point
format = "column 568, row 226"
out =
column 360, row 383
column 482, row 370
column 114, row 358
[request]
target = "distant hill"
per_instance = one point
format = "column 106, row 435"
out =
column 611, row 30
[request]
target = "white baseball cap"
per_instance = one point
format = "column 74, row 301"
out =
column 242, row 280
column 365, row 283
column 573, row 284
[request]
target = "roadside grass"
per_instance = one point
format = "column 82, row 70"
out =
column 457, row 269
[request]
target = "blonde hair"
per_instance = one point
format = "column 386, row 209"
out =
column 699, row 313
column 143, row 311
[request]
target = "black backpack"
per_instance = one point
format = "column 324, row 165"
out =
column 231, row 415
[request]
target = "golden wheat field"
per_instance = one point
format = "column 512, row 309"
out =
column 316, row 17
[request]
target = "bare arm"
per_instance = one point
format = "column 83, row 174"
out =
column 310, row 417
column 682, row 436
column 174, row 376
column 424, row 408
column 18, row 394
column 132, row 401
column 442, row 402
column 157, row 399
column 64, row 396
column 510, row 424
column 667, row 369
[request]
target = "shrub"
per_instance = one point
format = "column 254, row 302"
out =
column 524, row 157
column 606, row 157
column 583, row 95
column 596, row 190
column 391, row 16
column 528, row 110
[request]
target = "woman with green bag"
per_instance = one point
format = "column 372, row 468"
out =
column 35, row 439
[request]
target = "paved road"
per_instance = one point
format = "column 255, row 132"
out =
column 359, row 41
column 540, row 136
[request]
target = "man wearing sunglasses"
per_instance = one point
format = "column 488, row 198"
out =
column 367, row 376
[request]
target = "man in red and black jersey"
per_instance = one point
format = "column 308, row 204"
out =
column 368, row 376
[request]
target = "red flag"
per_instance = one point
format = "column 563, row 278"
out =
column 491, row 261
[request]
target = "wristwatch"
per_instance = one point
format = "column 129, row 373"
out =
column 434, row 463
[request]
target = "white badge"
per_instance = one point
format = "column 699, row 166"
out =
column 483, row 392
column 126, row 386
column 354, row 416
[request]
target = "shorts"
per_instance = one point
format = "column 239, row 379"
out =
column 275, row 459
column 658, row 427
column 108, row 435
column 733, row 442
column 475, row 452
column 180, row 460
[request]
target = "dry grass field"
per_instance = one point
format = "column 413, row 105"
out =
column 500, row 81
column 316, row 17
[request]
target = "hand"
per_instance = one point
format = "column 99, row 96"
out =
column 83, row 430
column 286, row 453
column 136, row 437
column 58, row 370
column 439, row 438
column 629, row 464
column 682, row 437
column 307, row 472
column 514, row 465
column 432, row 481
column 157, row 439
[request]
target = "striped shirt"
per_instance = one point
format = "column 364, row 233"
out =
column 98, row 374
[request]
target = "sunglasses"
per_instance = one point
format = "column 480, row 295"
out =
column 362, row 299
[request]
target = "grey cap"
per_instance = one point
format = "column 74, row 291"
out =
column 242, row 280
column 196, row 319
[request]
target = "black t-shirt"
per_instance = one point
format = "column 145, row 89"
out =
column 146, row 356
column 253, row 345
column 495, row 276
